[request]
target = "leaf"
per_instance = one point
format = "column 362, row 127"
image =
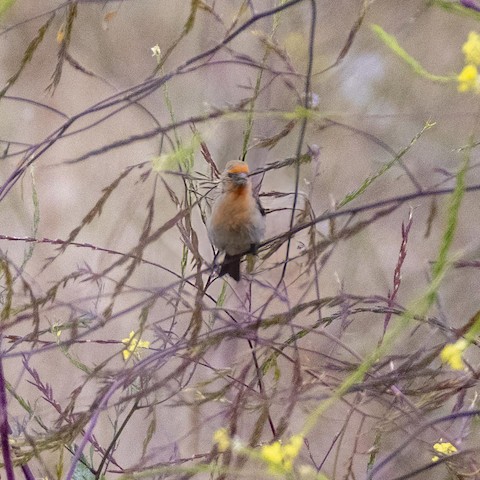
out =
column 152, row 427
column 64, row 36
column 82, row 472
column 442, row 264
column 270, row 142
column 180, row 159
column 391, row 42
column 5, row 5
column 384, row 168
column 456, row 8
column 432, row 214
column 28, row 55
column 299, row 113
column 191, row 18
column 7, row 301
column 36, row 220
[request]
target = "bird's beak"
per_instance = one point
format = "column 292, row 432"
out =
column 239, row 178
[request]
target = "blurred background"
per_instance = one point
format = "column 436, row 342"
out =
column 91, row 119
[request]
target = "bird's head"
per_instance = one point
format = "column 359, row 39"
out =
column 235, row 174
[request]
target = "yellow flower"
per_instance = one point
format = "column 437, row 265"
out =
column 468, row 79
column 273, row 455
column 61, row 34
column 131, row 346
column 280, row 457
column 444, row 448
column 471, row 49
column 452, row 354
column 222, row 439
column 57, row 329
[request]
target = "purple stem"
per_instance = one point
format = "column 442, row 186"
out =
column 27, row 472
column 4, row 428
column 470, row 4
column 89, row 430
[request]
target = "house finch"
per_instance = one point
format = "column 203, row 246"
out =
column 237, row 222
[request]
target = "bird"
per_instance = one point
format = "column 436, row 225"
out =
column 237, row 221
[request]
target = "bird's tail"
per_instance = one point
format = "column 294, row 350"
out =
column 231, row 265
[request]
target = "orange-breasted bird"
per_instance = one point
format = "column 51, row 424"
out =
column 237, row 222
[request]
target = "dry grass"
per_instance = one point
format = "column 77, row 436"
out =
column 368, row 173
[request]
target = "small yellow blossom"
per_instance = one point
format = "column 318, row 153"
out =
column 468, row 79
column 280, row 457
column 471, row 49
column 273, row 455
column 444, row 448
column 222, row 439
column 61, row 34
column 57, row 329
column 452, row 354
column 132, row 344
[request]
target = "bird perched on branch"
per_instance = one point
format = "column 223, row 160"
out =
column 237, row 222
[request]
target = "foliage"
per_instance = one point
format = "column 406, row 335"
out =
column 351, row 342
